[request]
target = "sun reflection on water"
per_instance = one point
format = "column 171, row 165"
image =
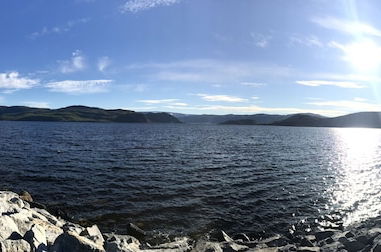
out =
column 357, row 187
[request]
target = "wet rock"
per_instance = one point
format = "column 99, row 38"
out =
column 71, row 241
column 206, row 246
column 233, row 247
column 36, row 237
column 94, row 234
column 24, row 195
column 353, row 246
column 241, row 236
column 323, row 234
column 14, row 246
column 121, row 243
column 277, row 242
column 135, row 231
column 71, row 227
column 306, row 243
column 349, row 235
column 265, row 250
column 179, row 245
column 308, row 249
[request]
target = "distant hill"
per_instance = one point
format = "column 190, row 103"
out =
column 218, row 119
column 240, row 122
column 361, row 119
column 82, row 114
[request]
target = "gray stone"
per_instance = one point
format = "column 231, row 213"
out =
column 121, row 243
column 308, row 249
column 24, row 195
column 180, row 244
column 71, row 241
column 7, row 227
column 94, row 234
column 242, row 237
column 36, row 237
column 233, row 247
column 14, row 246
column 135, row 231
column 205, row 246
column 323, row 234
column 353, row 246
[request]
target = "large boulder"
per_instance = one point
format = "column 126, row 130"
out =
column 71, row 241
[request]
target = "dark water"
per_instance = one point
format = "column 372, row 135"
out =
column 190, row 179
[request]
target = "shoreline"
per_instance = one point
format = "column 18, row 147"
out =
column 26, row 227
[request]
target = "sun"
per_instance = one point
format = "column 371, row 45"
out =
column 363, row 55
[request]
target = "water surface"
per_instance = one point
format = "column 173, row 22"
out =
column 191, row 179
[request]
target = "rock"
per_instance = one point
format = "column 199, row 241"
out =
column 7, row 227
column 71, row 227
column 206, row 246
column 349, row 235
column 94, row 234
column 121, row 243
column 36, row 237
column 265, row 250
column 24, row 195
column 241, row 236
column 180, row 244
column 306, row 243
column 135, row 231
column 14, row 246
column 71, row 241
column 323, row 234
column 353, row 246
column 233, row 247
column 276, row 241
column 308, row 249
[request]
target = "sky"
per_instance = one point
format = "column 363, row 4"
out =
column 193, row 56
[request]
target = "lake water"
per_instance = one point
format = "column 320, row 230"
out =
column 191, row 179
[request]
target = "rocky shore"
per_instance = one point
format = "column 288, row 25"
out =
column 26, row 227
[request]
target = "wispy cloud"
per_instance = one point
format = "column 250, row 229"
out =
column 349, row 105
column 309, row 41
column 252, row 109
column 158, row 101
column 36, row 104
column 253, row 84
column 74, row 64
column 103, row 63
column 59, row 29
column 260, row 40
column 79, row 87
column 342, row 84
column 347, row 26
column 211, row 71
column 12, row 81
column 223, row 98
column 139, row 5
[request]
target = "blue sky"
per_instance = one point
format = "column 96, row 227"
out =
column 193, row 56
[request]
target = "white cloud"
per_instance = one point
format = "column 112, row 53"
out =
column 79, row 87
column 224, row 98
column 349, row 105
column 342, row 84
column 309, row 41
column 59, row 29
column 260, row 40
column 35, row 104
column 253, row 84
column 139, row 5
column 158, row 101
column 255, row 98
column 347, row 26
column 76, row 63
column 252, row 109
column 103, row 63
column 12, row 81
column 211, row 71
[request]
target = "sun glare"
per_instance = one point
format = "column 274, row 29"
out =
column 356, row 191
column 363, row 55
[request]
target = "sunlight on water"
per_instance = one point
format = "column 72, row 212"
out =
column 357, row 187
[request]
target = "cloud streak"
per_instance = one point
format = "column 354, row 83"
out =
column 139, row 5
column 103, row 63
column 79, row 87
column 36, row 104
column 223, row 98
column 59, row 29
column 74, row 64
column 12, row 81
column 349, row 105
column 341, row 84
column 346, row 26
